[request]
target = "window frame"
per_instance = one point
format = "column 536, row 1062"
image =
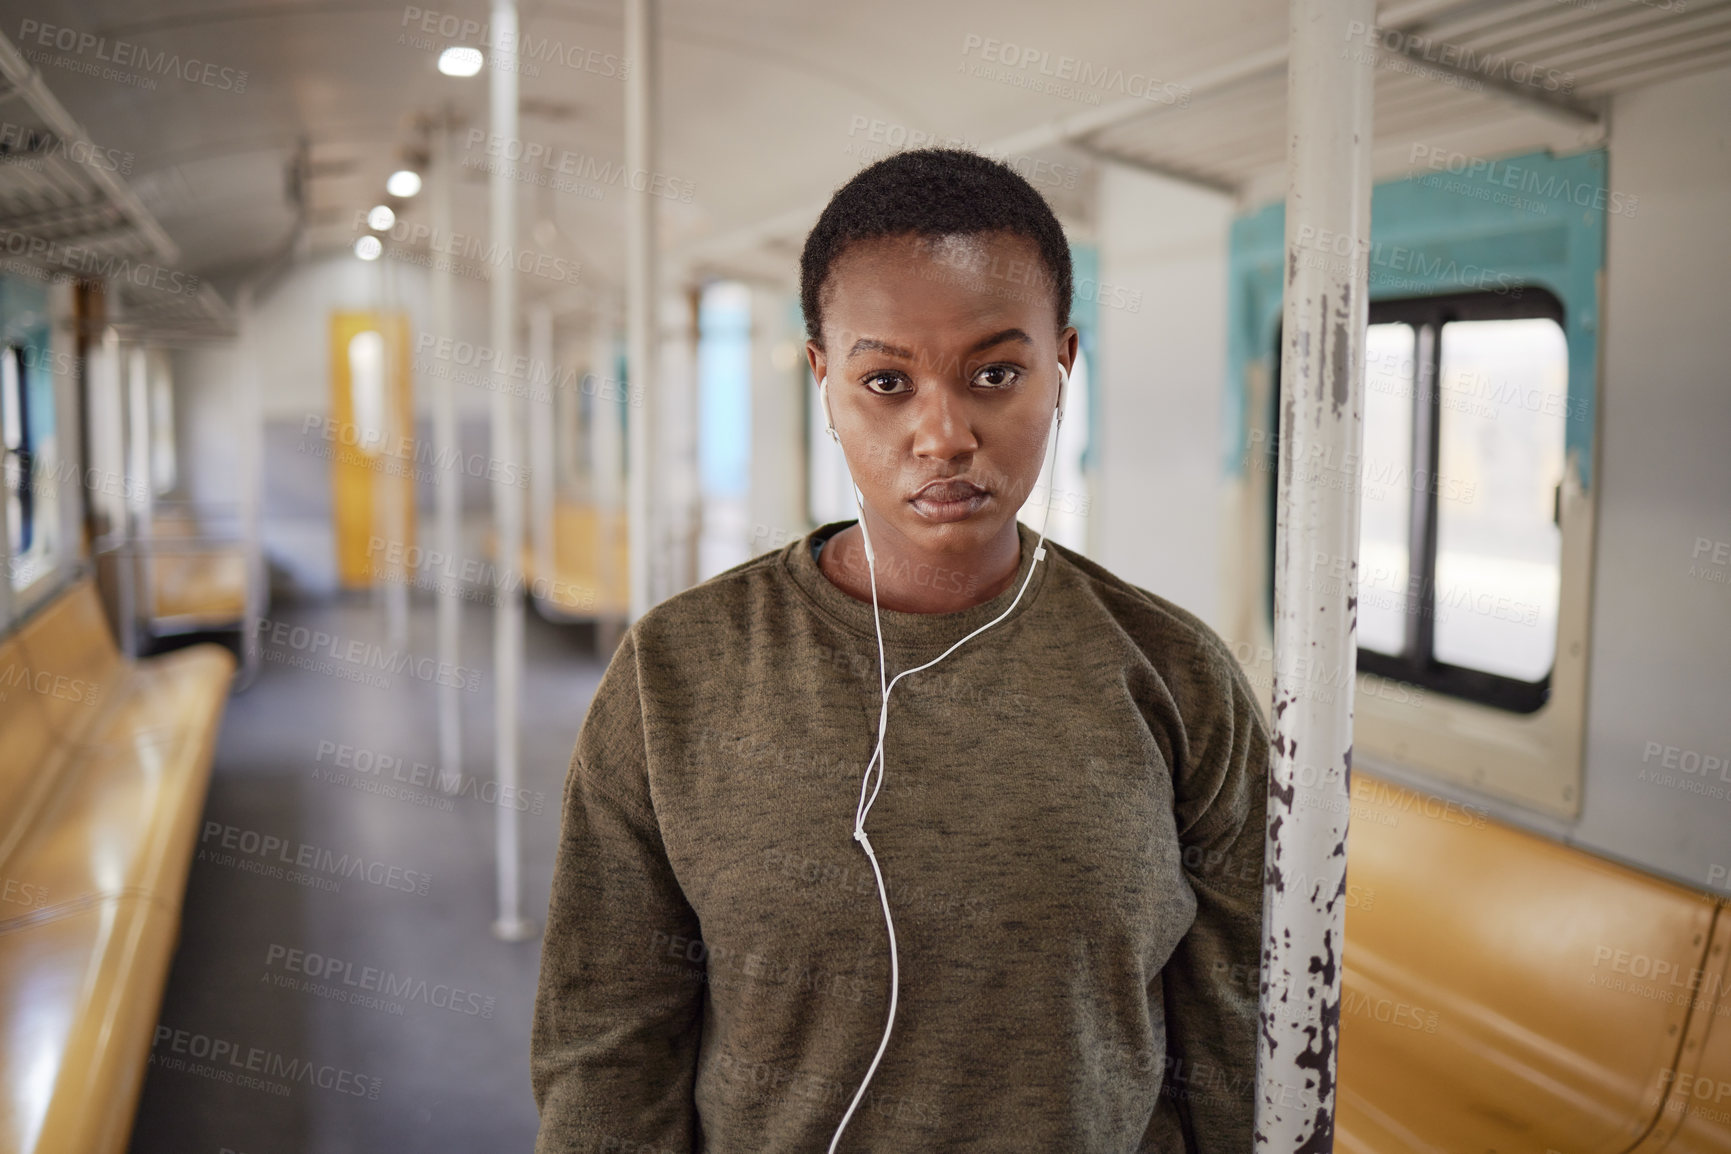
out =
column 25, row 452
column 1418, row 664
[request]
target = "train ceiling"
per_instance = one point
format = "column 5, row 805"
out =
column 223, row 140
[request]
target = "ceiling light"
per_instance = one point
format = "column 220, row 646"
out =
column 460, row 60
column 381, row 218
column 368, row 248
column 404, row 183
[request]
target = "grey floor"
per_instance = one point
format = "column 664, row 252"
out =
column 262, row 1047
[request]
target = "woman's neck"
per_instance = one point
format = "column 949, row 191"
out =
column 911, row 580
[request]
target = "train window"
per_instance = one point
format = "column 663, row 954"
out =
column 367, row 388
column 1385, row 518
column 162, row 462
column 724, row 424
column 1459, row 546
column 15, row 436
column 1498, row 536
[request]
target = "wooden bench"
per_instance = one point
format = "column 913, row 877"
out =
column 192, row 581
column 102, row 784
column 1505, row 993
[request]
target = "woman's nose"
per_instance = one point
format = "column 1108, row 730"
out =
column 943, row 428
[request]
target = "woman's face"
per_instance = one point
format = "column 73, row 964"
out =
column 942, row 360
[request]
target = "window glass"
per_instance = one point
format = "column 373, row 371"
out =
column 724, row 425
column 14, row 438
column 1384, row 564
column 27, row 445
column 162, row 463
column 367, row 389
column 1503, row 403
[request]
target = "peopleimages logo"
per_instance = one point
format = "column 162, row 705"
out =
column 362, row 985
column 22, row 143
column 362, row 655
column 1542, row 185
column 100, row 50
column 260, row 853
column 238, row 1064
column 1480, row 65
column 1068, row 76
column 481, row 254
column 518, row 52
column 85, row 261
column 376, row 443
column 526, row 156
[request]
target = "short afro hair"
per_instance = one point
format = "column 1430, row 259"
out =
column 931, row 192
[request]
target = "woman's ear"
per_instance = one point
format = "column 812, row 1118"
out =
column 814, row 356
column 1069, row 344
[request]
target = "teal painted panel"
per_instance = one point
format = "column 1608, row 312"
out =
column 24, row 322
column 1495, row 226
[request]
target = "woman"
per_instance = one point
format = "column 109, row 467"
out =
column 1066, row 824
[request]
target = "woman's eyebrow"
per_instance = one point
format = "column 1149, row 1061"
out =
column 873, row 345
column 1000, row 338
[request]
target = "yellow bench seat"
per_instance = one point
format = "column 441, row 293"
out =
column 101, row 791
column 1490, row 992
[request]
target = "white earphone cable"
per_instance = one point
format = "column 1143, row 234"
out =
column 877, row 758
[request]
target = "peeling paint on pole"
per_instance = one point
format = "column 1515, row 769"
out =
column 1315, row 614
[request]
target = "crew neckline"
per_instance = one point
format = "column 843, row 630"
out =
column 800, row 563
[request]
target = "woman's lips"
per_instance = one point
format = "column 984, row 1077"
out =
column 949, row 500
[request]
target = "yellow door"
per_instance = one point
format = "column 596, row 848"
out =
column 371, row 441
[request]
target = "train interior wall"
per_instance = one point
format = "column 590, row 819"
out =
column 1660, row 640
column 1660, row 645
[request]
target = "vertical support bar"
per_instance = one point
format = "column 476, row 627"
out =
column 8, row 571
column 138, row 587
column 607, row 478
column 251, row 421
column 449, row 496
column 69, row 446
column 542, row 414
column 640, row 300
column 507, row 495
column 606, row 423
column 393, row 512
column 1421, row 513
column 679, row 505
column 1316, row 577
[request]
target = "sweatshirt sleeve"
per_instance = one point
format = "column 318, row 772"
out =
column 1211, row 982
column 618, row 1011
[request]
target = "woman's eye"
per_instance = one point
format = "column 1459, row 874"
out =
column 885, row 384
column 996, row 376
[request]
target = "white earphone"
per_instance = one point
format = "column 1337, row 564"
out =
column 877, row 758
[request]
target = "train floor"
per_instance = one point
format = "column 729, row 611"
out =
column 336, row 989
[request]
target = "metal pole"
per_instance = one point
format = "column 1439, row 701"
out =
column 252, row 476
column 448, row 498
column 606, row 424
column 543, row 412
column 606, row 473
column 1316, row 576
column 394, row 512
column 8, row 574
column 141, row 502
column 640, row 316
column 507, row 496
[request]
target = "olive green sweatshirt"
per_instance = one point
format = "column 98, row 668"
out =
column 1070, row 830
